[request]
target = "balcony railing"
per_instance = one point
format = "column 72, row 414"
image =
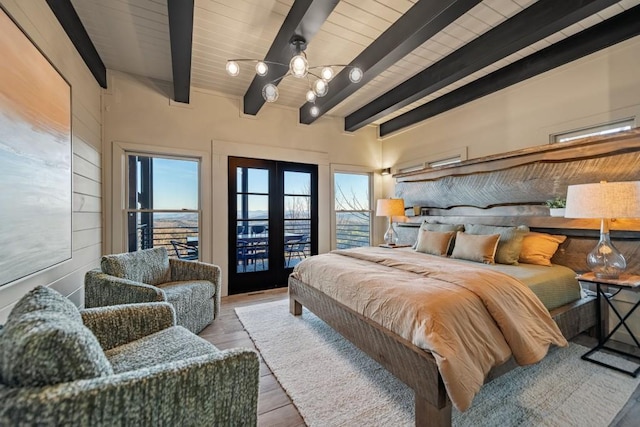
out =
column 347, row 236
column 162, row 236
column 352, row 235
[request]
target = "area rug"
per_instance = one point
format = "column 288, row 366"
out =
column 332, row 383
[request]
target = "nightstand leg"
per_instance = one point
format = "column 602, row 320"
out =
column 602, row 314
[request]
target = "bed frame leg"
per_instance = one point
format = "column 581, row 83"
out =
column 429, row 415
column 295, row 307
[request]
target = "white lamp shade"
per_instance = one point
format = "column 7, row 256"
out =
column 355, row 75
column 298, row 66
column 320, row 88
column 390, row 207
column 327, row 74
column 261, row 68
column 233, row 69
column 270, row 92
column 604, row 200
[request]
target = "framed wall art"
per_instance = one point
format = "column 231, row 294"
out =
column 35, row 158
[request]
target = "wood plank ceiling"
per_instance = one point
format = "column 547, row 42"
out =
column 449, row 56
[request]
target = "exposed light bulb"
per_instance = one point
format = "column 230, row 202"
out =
column 320, row 88
column 311, row 96
column 261, row 68
column 314, row 111
column 299, row 66
column 327, row 73
column 355, row 75
column 270, row 92
column 233, row 69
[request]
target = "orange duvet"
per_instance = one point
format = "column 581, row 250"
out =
column 469, row 318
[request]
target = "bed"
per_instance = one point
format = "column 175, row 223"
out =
column 326, row 285
column 502, row 190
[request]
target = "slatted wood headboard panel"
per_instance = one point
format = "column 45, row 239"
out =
column 510, row 189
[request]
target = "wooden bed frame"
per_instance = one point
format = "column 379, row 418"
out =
column 410, row 364
column 489, row 191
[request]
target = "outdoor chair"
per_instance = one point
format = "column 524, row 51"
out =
column 297, row 247
column 247, row 253
column 258, row 229
column 192, row 287
column 185, row 250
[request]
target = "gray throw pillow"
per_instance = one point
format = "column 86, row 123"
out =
column 478, row 248
column 442, row 228
column 45, row 347
column 434, row 242
column 150, row 266
column 510, row 243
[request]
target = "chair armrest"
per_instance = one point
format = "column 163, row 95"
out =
column 195, row 270
column 214, row 389
column 101, row 289
column 119, row 324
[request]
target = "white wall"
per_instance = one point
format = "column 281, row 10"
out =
column 138, row 112
column 40, row 24
column 598, row 88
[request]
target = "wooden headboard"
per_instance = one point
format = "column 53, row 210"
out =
column 511, row 188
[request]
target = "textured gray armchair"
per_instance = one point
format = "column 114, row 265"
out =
column 193, row 288
column 117, row 366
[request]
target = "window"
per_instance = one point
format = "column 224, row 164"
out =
column 163, row 204
column 352, row 209
column 599, row 130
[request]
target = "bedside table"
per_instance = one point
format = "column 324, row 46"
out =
column 628, row 282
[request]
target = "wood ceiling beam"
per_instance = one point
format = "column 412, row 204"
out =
column 425, row 19
column 612, row 31
column 304, row 19
column 70, row 21
column 536, row 22
column 181, row 35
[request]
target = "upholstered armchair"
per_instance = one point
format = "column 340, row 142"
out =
column 120, row 365
column 193, row 288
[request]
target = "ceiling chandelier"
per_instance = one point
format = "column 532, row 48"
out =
column 298, row 67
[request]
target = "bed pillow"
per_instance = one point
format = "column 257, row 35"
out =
column 510, row 243
column 434, row 242
column 476, row 247
column 539, row 248
column 433, row 226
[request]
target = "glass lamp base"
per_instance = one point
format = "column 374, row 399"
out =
column 605, row 260
column 391, row 237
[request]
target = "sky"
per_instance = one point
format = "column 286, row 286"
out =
column 176, row 186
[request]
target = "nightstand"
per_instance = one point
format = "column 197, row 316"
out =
column 628, row 282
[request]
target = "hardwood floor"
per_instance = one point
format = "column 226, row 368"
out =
column 274, row 406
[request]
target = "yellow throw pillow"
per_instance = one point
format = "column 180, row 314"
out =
column 539, row 248
column 476, row 247
column 434, row 242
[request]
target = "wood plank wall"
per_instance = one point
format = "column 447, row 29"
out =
column 509, row 189
column 39, row 23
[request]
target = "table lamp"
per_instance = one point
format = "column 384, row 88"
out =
column 604, row 200
column 390, row 208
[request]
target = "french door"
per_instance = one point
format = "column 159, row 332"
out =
column 273, row 221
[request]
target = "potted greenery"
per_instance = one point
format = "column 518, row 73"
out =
column 556, row 206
